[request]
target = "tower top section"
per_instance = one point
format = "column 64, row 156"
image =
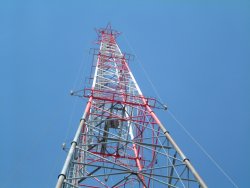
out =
column 107, row 34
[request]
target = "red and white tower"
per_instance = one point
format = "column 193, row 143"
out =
column 120, row 141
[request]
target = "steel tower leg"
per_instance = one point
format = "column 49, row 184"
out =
column 166, row 133
column 62, row 175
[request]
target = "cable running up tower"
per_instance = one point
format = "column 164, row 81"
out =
column 120, row 141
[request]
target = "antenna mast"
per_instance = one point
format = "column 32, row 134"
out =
column 120, row 142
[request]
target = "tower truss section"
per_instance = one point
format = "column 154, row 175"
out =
column 120, row 141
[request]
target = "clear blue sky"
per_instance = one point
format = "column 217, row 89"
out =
column 196, row 53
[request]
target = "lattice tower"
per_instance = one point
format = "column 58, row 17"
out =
column 120, row 141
